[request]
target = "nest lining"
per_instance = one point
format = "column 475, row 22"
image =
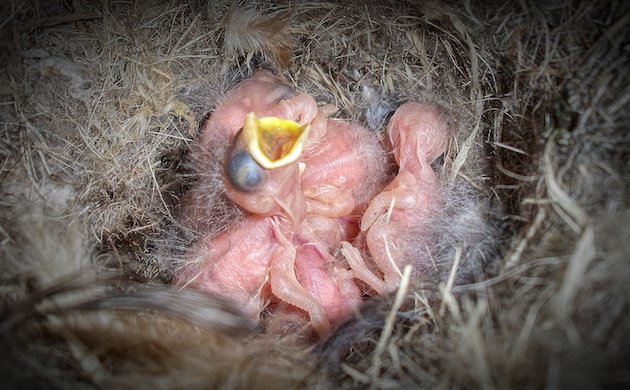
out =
column 100, row 105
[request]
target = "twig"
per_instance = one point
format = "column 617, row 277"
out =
column 389, row 326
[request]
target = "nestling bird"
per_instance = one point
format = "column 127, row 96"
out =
column 418, row 135
column 307, row 185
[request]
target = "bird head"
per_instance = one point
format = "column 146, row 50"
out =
column 262, row 168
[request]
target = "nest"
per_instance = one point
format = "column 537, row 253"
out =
column 101, row 102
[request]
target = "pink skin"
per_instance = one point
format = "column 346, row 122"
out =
column 265, row 95
column 419, row 135
column 335, row 161
column 282, row 251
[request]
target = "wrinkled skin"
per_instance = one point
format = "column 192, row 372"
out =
column 303, row 212
column 418, row 135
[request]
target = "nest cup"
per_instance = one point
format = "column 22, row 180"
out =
column 101, row 104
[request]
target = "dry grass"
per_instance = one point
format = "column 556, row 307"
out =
column 100, row 104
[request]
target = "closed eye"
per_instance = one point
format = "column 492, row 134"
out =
column 242, row 171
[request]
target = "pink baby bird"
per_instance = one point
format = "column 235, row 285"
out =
column 418, row 135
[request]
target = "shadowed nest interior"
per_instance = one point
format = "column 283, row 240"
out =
column 100, row 104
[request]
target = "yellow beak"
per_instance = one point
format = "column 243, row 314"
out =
column 274, row 142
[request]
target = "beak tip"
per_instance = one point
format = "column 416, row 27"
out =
column 274, row 142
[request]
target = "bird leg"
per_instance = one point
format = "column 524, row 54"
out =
column 285, row 286
column 361, row 270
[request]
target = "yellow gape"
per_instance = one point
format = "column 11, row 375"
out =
column 274, row 142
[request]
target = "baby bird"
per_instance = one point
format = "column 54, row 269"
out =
column 418, row 135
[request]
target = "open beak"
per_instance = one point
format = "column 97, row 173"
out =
column 274, row 142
